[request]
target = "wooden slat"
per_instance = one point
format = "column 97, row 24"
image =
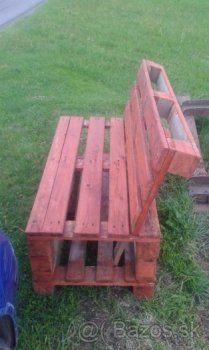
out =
column 59, row 278
column 153, row 193
column 170, row 91
column 76, row 263
column 40, row 206
column 141, row 149
column 179, row 129
column 151, row 226
column 162, row 95
column 134, row 200
column 143, row 180
column 107, row 123
column 184, row 161
column 56, row 214
column 105, row 271
column 152, row 152
column 157, row 140
column 118, row 193
column 106, row 162
column 69, row 235
column 89, row 202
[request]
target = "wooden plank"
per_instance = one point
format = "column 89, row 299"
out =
column 76, row 263
column 170, row 91
column 59, row 278
column 107, row 123
column 178, row 119
column 134, row 201
column 141, row 147
column 89, row 202
column 157, row 140
column 105, row 271
column 145, row 292
column 145, row 271
column 147, row 180
column 105, row 166
column 44, row 256
column 151, row 226
column 57, row 209
column 41, row 203
column 147, row 251
column 40, row 248
column 118, row 222
column 162, row 95
column 184, row 162
column 69, row 235
column 152, row 195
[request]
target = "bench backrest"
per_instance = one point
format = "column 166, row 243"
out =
column 158, row 140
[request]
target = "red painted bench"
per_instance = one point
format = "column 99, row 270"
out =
column 100, row 203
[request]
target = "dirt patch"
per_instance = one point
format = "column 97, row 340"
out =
column 204, row 322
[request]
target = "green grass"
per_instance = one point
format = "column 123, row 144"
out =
column 81, row 57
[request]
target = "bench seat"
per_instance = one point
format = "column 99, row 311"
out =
column 97, row 208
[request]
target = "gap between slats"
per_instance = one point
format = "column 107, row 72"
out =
column 105, row 271
column 76, row 263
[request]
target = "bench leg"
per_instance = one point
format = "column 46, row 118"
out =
column 44, row 256
column 145, row 292
column 43, row 288
column 146, row 261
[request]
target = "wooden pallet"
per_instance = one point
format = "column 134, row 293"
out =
column 99, row 187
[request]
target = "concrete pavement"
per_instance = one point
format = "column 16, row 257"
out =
column 12, row 9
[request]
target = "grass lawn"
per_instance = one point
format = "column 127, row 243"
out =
column 80, row 58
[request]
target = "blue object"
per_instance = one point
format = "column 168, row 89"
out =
column 8, row 288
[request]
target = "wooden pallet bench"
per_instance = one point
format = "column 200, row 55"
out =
column 94, row 220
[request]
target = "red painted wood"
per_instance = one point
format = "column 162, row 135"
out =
column 143, row 150
column 38, row 213
column 183, row 162
column 42, row 263
column 142, row 292
column 152, row 195
column 89, row 203
column 106, row 162
column 158, row 144
column 59, row 278
column 40, row 248
column 148, row 101
column 178, row 108
column 151, row 226
column 133, row 190
column 118, row 192
column 145, row 271
column 105, row 271
column 147, row 251
column 162, row 95
column 137, row 164
column 141, row 147
column 43, row 288
column 57, row 209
